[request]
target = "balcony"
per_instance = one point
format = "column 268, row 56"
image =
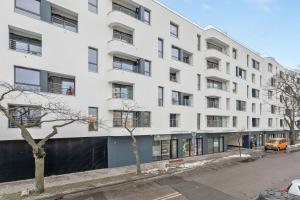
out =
column 181, row 99
column 61, row 85
column 122, row 48
column 128, row 11
column 212, row 64
column 122, row 36
column 64, row 18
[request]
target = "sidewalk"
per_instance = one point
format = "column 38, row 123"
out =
column 97, row 178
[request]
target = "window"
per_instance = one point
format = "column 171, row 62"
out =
column 25, row 44
column 93, row 119
column 234, row 53
column 64, row 19
column 134, row 119
column 255, row 93
column 270, row 67
column 234, row 121
column 27, row 79
column 227, row 103
column 199, row 146
column 187, row 147
column 147, row 68
column 179, row 98
column 255, row 64
column 160, row 96
column 270, row 94
column 212, row 64
column 281, row 122
column 255, row 122
column 147, row 16
column 199, row 42
column 160, row 48
column 174, row 120
column 165, row 149
column 122, row 91
column 270, row 122
column 248, row 57
column 199, row 81
column 253, row 107
column 273, row 109
column 176, row 53
column 240, row 73
column 93, row 60
column 60, row 84
column 215, row 145
column 213, row 102
column 227, row 68
column 253, row 78
column 30, row 6
column 234, row 90
column 24, row 115
column 273, row 81
column 198, row 121
column 93, row 6
column 174, row 75
column 240, row 105
column 174, row 30
column 123, row 36
column 216, row 121
column 214, row 84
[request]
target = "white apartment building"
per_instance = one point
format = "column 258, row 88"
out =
column 194, row 86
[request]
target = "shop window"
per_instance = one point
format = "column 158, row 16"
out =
column 215, row 145
column 187, row 147
column 199, row 146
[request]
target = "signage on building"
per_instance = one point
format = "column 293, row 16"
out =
column 162, row 137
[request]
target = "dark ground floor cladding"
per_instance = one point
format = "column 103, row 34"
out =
column 71, row 155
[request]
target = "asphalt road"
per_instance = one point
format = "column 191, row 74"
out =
column 224, row 181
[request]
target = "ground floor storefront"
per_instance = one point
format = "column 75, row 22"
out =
column 164, row 147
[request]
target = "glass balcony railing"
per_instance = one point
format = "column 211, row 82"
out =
column 60, row 88
column 25, row 47
column 124, row 37
column 125, row 10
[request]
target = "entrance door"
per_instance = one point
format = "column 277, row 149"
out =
column 245, row 141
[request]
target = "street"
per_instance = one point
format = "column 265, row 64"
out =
column 222, row 181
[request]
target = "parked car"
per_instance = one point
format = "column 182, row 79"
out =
column 294, row 188
column 276, row 144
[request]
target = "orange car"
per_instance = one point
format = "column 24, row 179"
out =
column 276, row 144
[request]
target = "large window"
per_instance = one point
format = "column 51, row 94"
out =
column 122, row 91
column 241, row 73
column 31, row 6
column 214, row 84
column 160, row 48
column 93, row 119
column 131, row 119
column 216, row 121
column 255, row 122
column 240, row 105
column 176, row 53
column 24, row 115
column 174, row 29
column 27, row 79
column 124, row 37
column 213, row 102
column 199, row 146
column 255, row 93
column 215, row 145
column 93, row 6
column 187, row 147
column 147, row 68
column 93, row 59
column 25, row 44
column 164, row 149
column 61, row 85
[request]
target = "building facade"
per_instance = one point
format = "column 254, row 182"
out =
column 194, row 87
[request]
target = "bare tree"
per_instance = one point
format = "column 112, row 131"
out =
column 285, row 86
column 130, row 123
column 51, row 112
column 238, row 136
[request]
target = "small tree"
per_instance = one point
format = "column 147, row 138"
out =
column 51, row 112
column 285, row 86
column 130, row 123
column 238, row 136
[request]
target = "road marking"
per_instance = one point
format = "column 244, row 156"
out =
column 169, row 196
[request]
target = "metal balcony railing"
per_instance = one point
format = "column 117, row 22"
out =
column 58, row 88
column 212, row 65
column 24, row 120
column 63, row 23
column 125, row 10
column 123, row 37
column 24, row 47
column 213, row 46
column 213, row 104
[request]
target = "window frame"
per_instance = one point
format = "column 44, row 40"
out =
column 174, row 25
column 29, row 11
column 26, row 84
column 90, row 4
column 96, row 122
column 91, row 63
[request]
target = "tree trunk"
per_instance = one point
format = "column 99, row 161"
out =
column 39, row 173
column 137, row 156
column 291, row 137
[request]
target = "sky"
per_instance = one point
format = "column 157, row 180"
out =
column 269, row 27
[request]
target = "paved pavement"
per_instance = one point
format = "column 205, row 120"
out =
column 223, row 181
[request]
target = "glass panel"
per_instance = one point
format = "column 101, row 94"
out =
column 68, row 87
column 174, row 149
column 210, row 145
column 147, row 68
column 27, row 77
column 32, row 6
column 93, row 60
column 175, row 53
column 156, row 150
column 165, row 149
column 147, row 16
column 93, row 119
column 221, row 144
column 186, row 147
column 199, row 146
